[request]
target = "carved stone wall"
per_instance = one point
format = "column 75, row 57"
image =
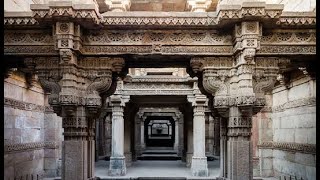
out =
column 291, row 151
column 32, row 132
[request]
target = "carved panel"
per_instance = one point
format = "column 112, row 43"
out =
column 294, row 104
column 12, row 148
column 289, row 146
column 168, row 37
column 289, row 37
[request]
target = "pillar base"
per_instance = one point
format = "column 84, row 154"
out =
column 117, row 166
column 199, row 166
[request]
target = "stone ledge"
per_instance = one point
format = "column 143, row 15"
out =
column 311, row 101
column 26, row 106
column 13, row 148
column 295, row 147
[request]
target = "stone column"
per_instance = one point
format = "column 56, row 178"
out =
column 117, row 160
column 75, row 145
column 223, row 148
column 143, row 143
column 211, row 134
column 199, row 165
column 137, row 135
column 176, row 134
column 239, row 145
column 181, row 135
column 108, row 134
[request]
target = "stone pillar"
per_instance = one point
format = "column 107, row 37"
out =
column 223, row 148
column 239, row 145
column 75, row 147
column 117, row 160
column 211, row 134
column 137, row 135
column 199, row 165
column 143, row 143
column 181, row 135
column 98, row 140
column 108, row 134
column 176, row 135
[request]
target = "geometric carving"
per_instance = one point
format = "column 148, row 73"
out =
column 21, row 147
column 289, row 146
column 294, row 104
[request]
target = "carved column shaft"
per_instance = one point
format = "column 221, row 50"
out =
column 137, row 135
column 223, row 148
column 117, row 160
column 181, row 136
column 75, row 145
column 239, row 145
column 199, row 165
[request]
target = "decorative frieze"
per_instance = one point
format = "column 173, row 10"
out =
column 286, row 50
column 289, row 146
column 12, row 148
column 289, row 37
column 157, row 92
column 295, row 103
column 28, row 38
column 29, row 50
column 168, row 37
column 25, row 105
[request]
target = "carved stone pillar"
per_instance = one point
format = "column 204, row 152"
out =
column 211, row 135
column 176, row 135
column 199, row 165
column 117, row 160
column 181, row 135
column 137, row 135
column 223, row 148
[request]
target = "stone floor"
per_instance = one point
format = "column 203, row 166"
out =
column 156, row 169
column 173, row 170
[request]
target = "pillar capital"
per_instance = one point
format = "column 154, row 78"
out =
column 118, row 5
column 74, row 81
column 198, row 5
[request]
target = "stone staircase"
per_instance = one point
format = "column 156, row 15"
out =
column 159, row 154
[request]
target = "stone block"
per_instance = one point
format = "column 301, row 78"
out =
column 279, row 155
column 21, row 157
column 32, row 122
column 266, row 153
column 38, row 154
column 284, row 135
column 50, row 153
column 7, row 136
column 287, row 122
column 275, row 122
column 9, row 121
column 266, row 163
column 279, row 98
column 305, row 121
column 267, row 173
column 19, row 121
column 9, row 159
column 49, row 121
column 31, row 135
column 305, row 159
column 50, row 163
column 50, row 173
column 311, row 173
column 17, row 136
column 306, row 135
column 32, row 96
column 298, row 92
column 8, row 172
column 50, row 134
column 12, row 91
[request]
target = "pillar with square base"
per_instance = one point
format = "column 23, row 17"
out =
column 199, row 165
column 117, row 160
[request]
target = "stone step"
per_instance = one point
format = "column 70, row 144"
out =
column 159, row 152
column 159, row 157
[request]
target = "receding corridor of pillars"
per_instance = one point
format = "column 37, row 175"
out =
column 158, row 124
